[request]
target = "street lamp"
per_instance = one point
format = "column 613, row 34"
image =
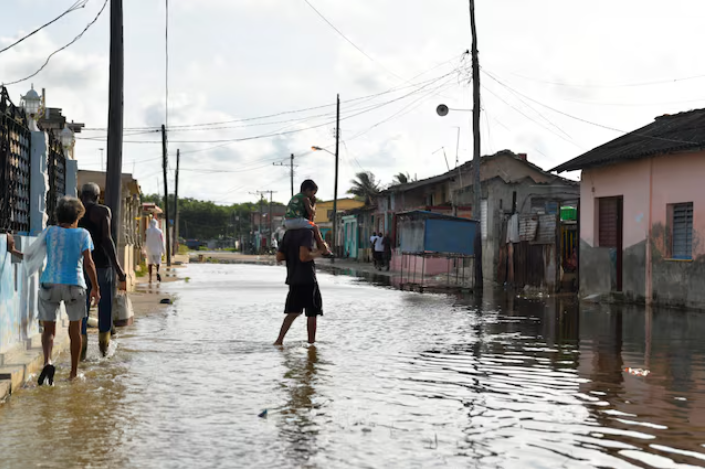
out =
column 315, row 148
column 31, row 103
column 335, row 196
column 67, row 141
column 443, row 110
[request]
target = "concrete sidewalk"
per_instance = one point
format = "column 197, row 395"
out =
column 23, row 362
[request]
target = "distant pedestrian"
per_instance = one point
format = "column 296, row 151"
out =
column 373, row 238
column 68, row 254
column 297, row 250
column 387, row 254
column 97, row 221
column 154, row 244
column 379, row 250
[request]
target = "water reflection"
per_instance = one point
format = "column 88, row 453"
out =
column 297, row 421
column 398, row 379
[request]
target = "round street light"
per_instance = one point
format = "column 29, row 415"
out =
column 67, row 139
column 443, row 110
column 30, row 102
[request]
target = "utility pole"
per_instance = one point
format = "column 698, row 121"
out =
column 291, row 171
column 176, row 205
column 335, row 182
column 166, row 194
column 262, row 200
column 476, row 148
column 114, row 165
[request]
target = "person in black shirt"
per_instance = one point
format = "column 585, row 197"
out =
column 297, row 250
column 97, row 221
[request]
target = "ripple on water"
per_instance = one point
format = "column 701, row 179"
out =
column 397, row 379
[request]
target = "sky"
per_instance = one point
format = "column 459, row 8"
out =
column 558, row 79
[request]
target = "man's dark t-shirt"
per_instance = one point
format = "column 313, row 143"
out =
column 100, row 256
column 298, row 272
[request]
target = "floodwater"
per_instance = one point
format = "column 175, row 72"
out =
column 397, row 380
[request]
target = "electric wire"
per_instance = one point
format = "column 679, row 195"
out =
column 76, row 6
column 46, row 62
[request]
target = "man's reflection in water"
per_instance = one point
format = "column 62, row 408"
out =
column 297, row 423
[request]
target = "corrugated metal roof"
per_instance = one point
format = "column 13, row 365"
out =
column 667, row 134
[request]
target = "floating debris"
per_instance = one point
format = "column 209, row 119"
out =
column 262, row 414
column 637, row 371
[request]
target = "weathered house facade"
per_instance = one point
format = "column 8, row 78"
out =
column 642, row 213
column 509, row 185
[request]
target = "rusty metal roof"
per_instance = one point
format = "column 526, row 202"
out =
column 667, row 134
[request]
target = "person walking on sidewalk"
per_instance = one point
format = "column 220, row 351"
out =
column 297, row 250
column 68, row 253
column 97, row 221
column 379, row 251
column 154, row 243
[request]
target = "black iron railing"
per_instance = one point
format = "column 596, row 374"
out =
column 56, row 168
column 15, row 140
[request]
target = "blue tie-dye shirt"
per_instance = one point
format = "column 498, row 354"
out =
column 65, row 248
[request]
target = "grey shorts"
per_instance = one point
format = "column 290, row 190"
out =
column 51, row 296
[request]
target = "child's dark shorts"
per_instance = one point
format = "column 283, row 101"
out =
column 304, row 298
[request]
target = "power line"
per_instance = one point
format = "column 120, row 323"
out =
column 46, row 62
column 353, row 43
column 585, row 120
column 624, row 85
column 76, row 6
column 394, row 89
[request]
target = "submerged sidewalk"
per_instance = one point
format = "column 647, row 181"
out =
column 22, row 363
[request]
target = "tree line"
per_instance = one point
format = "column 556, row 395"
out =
column 204, row 220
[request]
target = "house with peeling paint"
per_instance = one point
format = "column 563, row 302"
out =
column 642, row 214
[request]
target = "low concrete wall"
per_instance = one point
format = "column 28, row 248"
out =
column 678, row 284
column 18, row 297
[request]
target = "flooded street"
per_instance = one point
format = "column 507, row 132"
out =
column 397, row 379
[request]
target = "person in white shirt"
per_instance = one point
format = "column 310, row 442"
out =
column 373, row 238
column 154, row 244
column 379, row 249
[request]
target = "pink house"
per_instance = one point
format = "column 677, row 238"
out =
column 642, row 213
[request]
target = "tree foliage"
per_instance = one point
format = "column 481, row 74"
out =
column 205, row 220
column 364, row 186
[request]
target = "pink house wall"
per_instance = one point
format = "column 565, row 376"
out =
column 648, row 186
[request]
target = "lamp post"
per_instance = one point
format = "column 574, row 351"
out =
column 31, row 103
column 335, row 199
column 443, row 110
column 67, row 141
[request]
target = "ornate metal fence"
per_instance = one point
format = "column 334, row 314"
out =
column 57, row 176
column 14, row 167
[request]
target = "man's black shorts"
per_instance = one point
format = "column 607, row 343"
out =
column 304, row 298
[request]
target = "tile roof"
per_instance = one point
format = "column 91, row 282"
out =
column 667, row 134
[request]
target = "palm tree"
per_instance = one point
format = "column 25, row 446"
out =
column 401, row 178
column 365, row 187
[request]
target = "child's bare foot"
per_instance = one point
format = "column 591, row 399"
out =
column 278, row 343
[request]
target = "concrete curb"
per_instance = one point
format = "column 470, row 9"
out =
column 25, row 360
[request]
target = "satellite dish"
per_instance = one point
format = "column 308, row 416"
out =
column 442, row 110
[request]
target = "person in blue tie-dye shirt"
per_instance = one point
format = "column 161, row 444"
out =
column 68, row 254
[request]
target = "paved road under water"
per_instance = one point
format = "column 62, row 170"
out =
column 397, row 380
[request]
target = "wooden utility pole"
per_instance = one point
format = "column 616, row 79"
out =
column 114, row 164
column 335, row 182
column 166, row 194
column 291, row 173
column 476, row 148
column 176, row 205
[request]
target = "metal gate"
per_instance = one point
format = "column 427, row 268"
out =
column 15, row 140
column 57, row 176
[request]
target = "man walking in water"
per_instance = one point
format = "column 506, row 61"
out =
column 97, row 221
column 297, row 250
